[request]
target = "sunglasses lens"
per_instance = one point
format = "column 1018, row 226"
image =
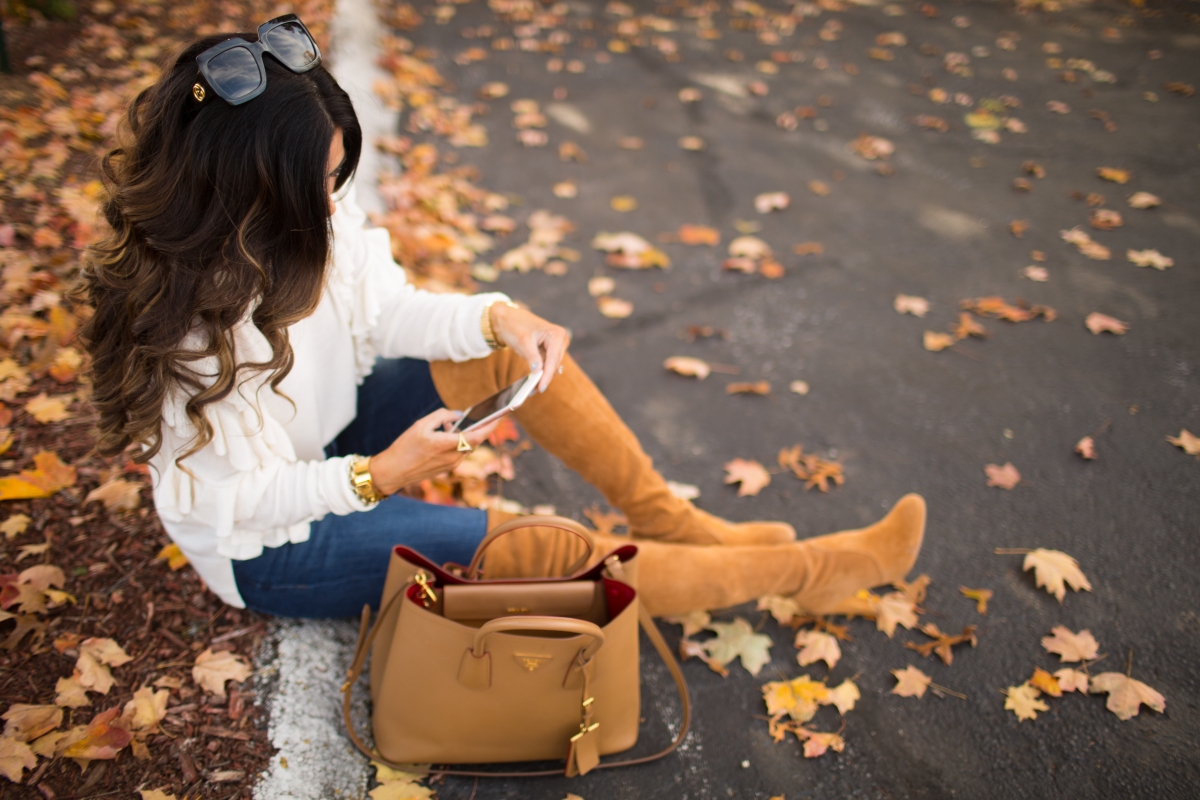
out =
column 234, row 73
column 292, row 45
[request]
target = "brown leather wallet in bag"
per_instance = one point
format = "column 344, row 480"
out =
column 470, row 671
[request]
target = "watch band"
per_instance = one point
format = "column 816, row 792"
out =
column 360, row 480
column 485, row 324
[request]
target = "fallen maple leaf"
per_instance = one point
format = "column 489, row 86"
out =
column 1105, row 219
column 910, row 304
column 980, row 596
column 943, row 642
column 630, row 251
column 750, row 247
column 70, row 694
column 817, row 646
column 26, row 624
column 1018, row 227
column 738, row 640
column 771, row 201
column 783, row 609
column 1099, row 323
column 101, row 739
column 910, row 682
column 92, row 667
column 1086, row 448
column 699, row 235
column 1023, row 701
column 1126, row 695
column 15, row 525
column 799, row 387
column 1084, row 243
column 1149, row 258
column 817, row 744
column 1002, row 477
column 688, row 366
column 156, row 794
column 174, row 557
column 1052, row 568
column 968, row 326
column 1070, row 646
column 915, row 589
column 1037, row 274
column 872, row 147
column 692, row 649
column 26, row 722
column 844, row 696
column 798, row 698
column 46, row 409
column 808, row 249
column 145, row 710
column 892, row 609
column 1045, row 682
column 117, row 495
column 1072, row 680
column 48, row 476
column 819, row 188
column 401, row 790
column 692, row 143
column 1113, row 174
column 211, row 670
column 756, row 387
column 614, row 308
column 1188, row 442
column 935, row 342
column 601, row 285
column 1143, row 200
column 15, row 758
column 752, row 476
column 623, row 203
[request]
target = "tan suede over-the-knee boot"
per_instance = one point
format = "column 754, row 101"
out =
column 573, row 421
column 676, row 579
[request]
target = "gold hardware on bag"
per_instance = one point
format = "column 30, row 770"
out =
column 584, row 731
column 428, row 598
column 517, row 610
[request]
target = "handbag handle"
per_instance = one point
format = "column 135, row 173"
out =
column 534, row 623
column 534, row 521
column 366, row 637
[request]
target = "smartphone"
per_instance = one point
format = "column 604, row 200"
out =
column 499, row 404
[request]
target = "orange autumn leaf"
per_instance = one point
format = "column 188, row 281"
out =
column 117, row 495
column 174, row 557
column 49, row 475
column 756, row 387
column 935, row 342
column 101, row 740
column 1002, row 477
column 699, row 235
column 943, row 642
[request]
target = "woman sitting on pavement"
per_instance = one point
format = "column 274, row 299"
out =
column 264, row 350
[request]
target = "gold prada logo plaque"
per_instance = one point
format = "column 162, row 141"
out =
column 531, row 662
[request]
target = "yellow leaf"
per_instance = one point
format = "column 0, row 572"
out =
column 1114, row 175
column 1023, row 701
column 31, row 550
column 1072, row 680
column 46, row 409
column 14, row 488
column 935, row 342
column 1052, row 568
column 894, row 608
column 615, row 308
column 844, row 696
column 623, row 203
column 980, row 596
column 692, row 623
column 101, row 739
column 146, row 709
column 738, row 640
column 156, row 794
column 401, row 790
column 798, row 698
column 70, row 694
column 174, row 557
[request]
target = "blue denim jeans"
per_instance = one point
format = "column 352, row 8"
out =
column 343, row 564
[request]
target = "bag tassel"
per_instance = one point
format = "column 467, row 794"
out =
column 583, row 752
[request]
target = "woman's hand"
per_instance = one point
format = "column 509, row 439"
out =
column 543, row 344
column 423, row 451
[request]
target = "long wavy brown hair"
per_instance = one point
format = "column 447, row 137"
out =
column 214, row 209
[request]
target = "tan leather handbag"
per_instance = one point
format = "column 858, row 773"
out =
column 472, row 671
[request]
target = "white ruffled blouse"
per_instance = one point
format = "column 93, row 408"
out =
column 264, row 476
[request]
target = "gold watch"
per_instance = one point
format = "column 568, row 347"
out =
column 360, row 479
column 485, row 324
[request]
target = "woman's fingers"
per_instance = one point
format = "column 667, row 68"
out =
column 556, row 349
column 478, row 436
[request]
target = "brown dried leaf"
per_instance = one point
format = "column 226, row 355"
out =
column 756, row 387
column 212, row 670
column 1113, row 174
column 688, row 366
column 25, row 722
column 1002, row 477
column 942, row 642
column 817, row 646
column 117, row 494
column 1099, row 323
column 936, row 342
column 910, row 682
column 1126, row 695
column 980, row 596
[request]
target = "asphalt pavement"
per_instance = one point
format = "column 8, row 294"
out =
column 899, row 417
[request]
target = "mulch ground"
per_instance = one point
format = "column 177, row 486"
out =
column 57, row 112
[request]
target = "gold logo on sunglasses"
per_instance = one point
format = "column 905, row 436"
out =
column 198, row 92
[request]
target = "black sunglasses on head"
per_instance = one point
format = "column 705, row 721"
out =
column 234, row 68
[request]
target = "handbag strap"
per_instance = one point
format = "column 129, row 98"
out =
column 534, row 521
column 366, row 637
